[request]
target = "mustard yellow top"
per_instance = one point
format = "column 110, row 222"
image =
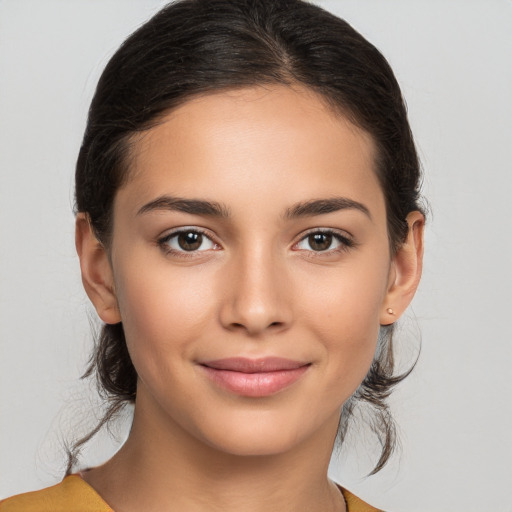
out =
column 73, row 494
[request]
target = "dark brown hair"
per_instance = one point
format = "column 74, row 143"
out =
column 194, row 47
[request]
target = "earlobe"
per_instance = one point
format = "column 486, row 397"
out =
column 97, row 276
column 405, row 272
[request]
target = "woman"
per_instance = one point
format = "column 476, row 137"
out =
column 248, row 230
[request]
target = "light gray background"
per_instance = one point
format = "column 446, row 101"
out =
column 454, row 62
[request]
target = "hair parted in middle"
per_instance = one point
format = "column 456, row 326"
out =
column 197, row 47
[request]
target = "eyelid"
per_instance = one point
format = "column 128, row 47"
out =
column 346, row 239
column 162, row 241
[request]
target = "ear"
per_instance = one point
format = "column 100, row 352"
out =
column 405, row 272
column 97, row 276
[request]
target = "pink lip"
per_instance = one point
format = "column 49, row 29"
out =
column 254, row 377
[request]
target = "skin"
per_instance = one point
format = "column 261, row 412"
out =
column 256, row 287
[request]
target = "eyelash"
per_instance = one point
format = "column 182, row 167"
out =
column 163, row 242
column 346, row 243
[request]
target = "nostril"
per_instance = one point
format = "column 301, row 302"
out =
column 239, row 325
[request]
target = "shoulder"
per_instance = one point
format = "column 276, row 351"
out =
column 355, row 504
column 73, row 494
column 70, row 495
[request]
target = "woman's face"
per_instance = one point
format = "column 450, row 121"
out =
column 251, row 268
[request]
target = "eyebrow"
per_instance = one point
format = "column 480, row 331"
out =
column 215, row 209
column 192, row 206
column 324, row 206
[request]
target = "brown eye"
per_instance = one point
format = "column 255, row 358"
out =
column 320, row 241
column 324, row 241
column 187, row 240
column 190, row 240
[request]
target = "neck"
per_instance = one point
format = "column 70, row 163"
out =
column 163, row 467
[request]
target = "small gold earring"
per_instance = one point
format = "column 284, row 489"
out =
column 390, row 311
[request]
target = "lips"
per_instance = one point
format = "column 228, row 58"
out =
column 254, row 377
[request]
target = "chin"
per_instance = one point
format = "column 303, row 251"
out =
column 255, row 445
column 259, row 435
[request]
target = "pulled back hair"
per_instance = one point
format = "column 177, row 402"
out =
column 195, row 47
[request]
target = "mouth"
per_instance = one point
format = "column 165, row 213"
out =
column 254, row 377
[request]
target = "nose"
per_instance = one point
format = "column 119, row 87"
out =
column 257, row 298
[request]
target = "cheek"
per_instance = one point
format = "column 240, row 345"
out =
column 342, row 310
column 163, row 312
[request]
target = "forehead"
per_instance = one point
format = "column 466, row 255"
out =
column 259, row 142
